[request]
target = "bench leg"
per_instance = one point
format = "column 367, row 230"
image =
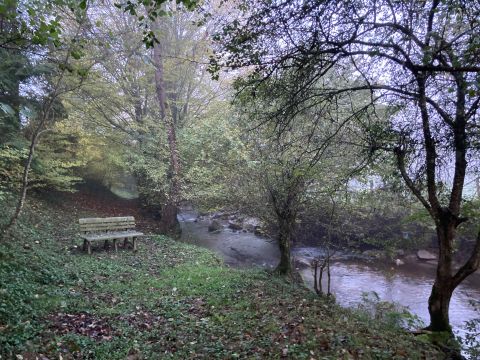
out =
column 84, row 245
column 134, row 244
column 115, row 244
column 105, row 244
column 89, row 247
column 125, row 243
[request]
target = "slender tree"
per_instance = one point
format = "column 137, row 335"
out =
column 168, row 221
column 180, row 47
column 296, row 157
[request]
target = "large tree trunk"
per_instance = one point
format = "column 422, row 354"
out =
column 438, row 305
column 168, row 222
column 284, row 239
column 446, row 280
column 442, row 290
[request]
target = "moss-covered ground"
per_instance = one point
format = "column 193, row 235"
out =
column 168, row 300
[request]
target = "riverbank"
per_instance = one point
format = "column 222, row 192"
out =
column 353, row 275
column 169, row 300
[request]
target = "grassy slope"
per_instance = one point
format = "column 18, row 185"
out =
column 169, row 300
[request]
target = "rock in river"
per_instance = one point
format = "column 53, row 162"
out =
column 234, row 225
column 215, row 225
column 425, row 255
column 251, row 224
column 375, row 254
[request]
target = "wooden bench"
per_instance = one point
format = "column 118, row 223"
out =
column 105, row 229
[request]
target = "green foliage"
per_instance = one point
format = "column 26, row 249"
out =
column 29, row 92
column 471, row 343
column 54, row 164
column 58, row 158
column 299, row 151
column 98, row 152
column 30, row 283
column 391, row 314
column 39, row 22
column 385, row 220
column 149, row 164
column 214, row 157
column 154, row 10
column 11, row 159
column 14, row 68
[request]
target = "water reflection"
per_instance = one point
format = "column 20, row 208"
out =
column 238, row 248
column 350, row 280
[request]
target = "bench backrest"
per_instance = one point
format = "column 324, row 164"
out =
column 106, row 224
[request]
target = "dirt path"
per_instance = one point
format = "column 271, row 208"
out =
column 100, row 202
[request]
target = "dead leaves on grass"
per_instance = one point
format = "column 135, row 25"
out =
column 143, row 320
column 82, row 324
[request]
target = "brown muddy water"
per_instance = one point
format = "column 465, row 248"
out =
column 408, row 285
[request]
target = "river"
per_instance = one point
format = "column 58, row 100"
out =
column 408, row 285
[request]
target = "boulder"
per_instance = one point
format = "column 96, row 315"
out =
column 234, row 225
column 260, row 232
column 425, row 255
column 215, row 215
column 399, row 262
column 410, row 257
column 215, row 225
column 375, row 254
column 225, row 216
column 302, row 262
column 251, row 223
column 400, row 252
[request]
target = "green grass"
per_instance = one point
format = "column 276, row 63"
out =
column 169, row 300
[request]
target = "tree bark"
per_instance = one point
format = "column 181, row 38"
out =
column 284, row 240
column 284, row 267
column 329, row 277
column 438, row 305
column 317, row 286
column 442, row 290
column 168, row 222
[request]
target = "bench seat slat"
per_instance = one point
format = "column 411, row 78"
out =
column 106, row 220
column 109, row 224
column 106, row 227
column 112, row 235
